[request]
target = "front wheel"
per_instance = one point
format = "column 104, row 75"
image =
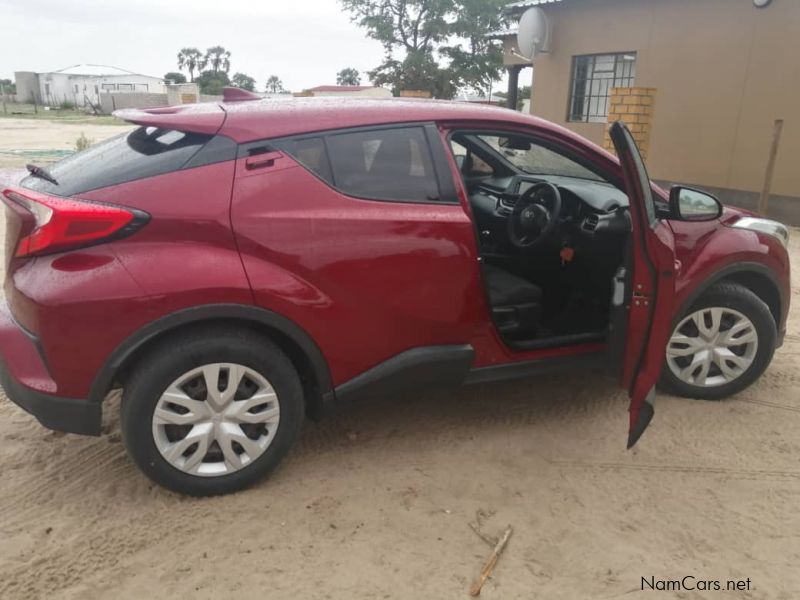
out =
column 211, row 412
column 721, row 345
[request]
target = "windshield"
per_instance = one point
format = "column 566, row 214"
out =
column 538, row 160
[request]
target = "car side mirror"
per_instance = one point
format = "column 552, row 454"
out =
column 514, row 143
column 687, row 204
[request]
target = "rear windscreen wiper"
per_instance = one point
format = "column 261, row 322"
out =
column 41, row 173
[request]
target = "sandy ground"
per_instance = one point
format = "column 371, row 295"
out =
column 37, row 140
column 383, row 501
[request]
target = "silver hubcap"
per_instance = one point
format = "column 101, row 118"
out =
column 216, row 419
column 712, row 347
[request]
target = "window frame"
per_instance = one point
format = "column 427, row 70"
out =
column 439, row 161
column 587, row 116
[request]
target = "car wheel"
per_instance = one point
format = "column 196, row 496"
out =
column 721, row 345
column 211, row 412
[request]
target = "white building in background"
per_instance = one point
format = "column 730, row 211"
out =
column 348, row 90
column 82, row 84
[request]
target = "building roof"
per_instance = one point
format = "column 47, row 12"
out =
column 341, row 88
column 516, row 8
column 528, row 3
column 97, row 71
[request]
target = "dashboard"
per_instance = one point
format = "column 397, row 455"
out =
column 591, row 207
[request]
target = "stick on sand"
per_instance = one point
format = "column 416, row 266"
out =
column 475, row 590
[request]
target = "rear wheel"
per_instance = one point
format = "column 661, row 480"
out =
column 211, row 412
column 721, row 345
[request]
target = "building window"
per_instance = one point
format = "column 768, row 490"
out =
column 109, row 87
column 125, row 87
column 593, row 78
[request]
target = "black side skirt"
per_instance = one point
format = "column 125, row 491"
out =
column 447, row 367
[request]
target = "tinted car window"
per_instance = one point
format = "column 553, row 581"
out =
column 385, row 164
column 143, row 152
column 309, row 152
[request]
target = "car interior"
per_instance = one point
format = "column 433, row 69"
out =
column 552, row 237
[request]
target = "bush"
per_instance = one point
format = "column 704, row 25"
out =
column 82, row 143
column 175, row 77
column 211, row 82
column 66, row 105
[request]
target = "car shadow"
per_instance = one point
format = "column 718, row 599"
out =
column 541, row 402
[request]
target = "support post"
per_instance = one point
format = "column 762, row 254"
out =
column 513, row 85
column 763, row 201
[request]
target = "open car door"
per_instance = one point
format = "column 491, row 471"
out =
column 644, row 305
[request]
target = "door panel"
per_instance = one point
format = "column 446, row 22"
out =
column 650, row 288
column 366, row 279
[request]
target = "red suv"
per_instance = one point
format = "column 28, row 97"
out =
column 236, row 266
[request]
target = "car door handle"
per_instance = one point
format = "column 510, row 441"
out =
column 261, row 161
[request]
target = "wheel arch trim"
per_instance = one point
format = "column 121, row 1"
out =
column 214, row 312
column 730, row 273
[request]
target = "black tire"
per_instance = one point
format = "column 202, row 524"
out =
column 180, row 354
column 739, row 298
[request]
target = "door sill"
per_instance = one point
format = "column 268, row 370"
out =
column 556, row 341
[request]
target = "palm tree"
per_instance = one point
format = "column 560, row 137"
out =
column 219, row 59
column 191, row 59
column 274, row 84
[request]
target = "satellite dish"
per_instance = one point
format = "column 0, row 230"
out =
column 533, row 35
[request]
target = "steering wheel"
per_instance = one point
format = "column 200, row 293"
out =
column 532, row 220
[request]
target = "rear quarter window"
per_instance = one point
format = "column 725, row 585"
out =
column 384, row 164
column 143, row 152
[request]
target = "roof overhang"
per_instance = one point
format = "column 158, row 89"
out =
column 523, row 5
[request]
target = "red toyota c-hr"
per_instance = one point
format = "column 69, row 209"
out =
column 235, row 266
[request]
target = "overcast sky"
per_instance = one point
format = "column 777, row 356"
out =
column 304, row 42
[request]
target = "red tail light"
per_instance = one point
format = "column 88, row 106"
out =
column 63, row 223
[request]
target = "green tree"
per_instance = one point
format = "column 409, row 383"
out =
column 175, row 77
column 475, row 61
column 191, row 59
column 348, row 76
column 219, row 59
column 243, row 81
column 212, row 83
column 9, row 86
column 442, row 42
column 274, row 84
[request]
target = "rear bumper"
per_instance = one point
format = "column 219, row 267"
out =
column 27, row 383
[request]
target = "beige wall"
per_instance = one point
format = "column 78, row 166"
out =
column 723, row 70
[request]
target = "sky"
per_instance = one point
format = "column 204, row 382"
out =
column 304, row 42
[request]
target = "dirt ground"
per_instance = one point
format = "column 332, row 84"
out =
column 38, row 140
column 384, row 500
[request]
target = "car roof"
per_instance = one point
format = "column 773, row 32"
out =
column 254, row 120
column 251, row 120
